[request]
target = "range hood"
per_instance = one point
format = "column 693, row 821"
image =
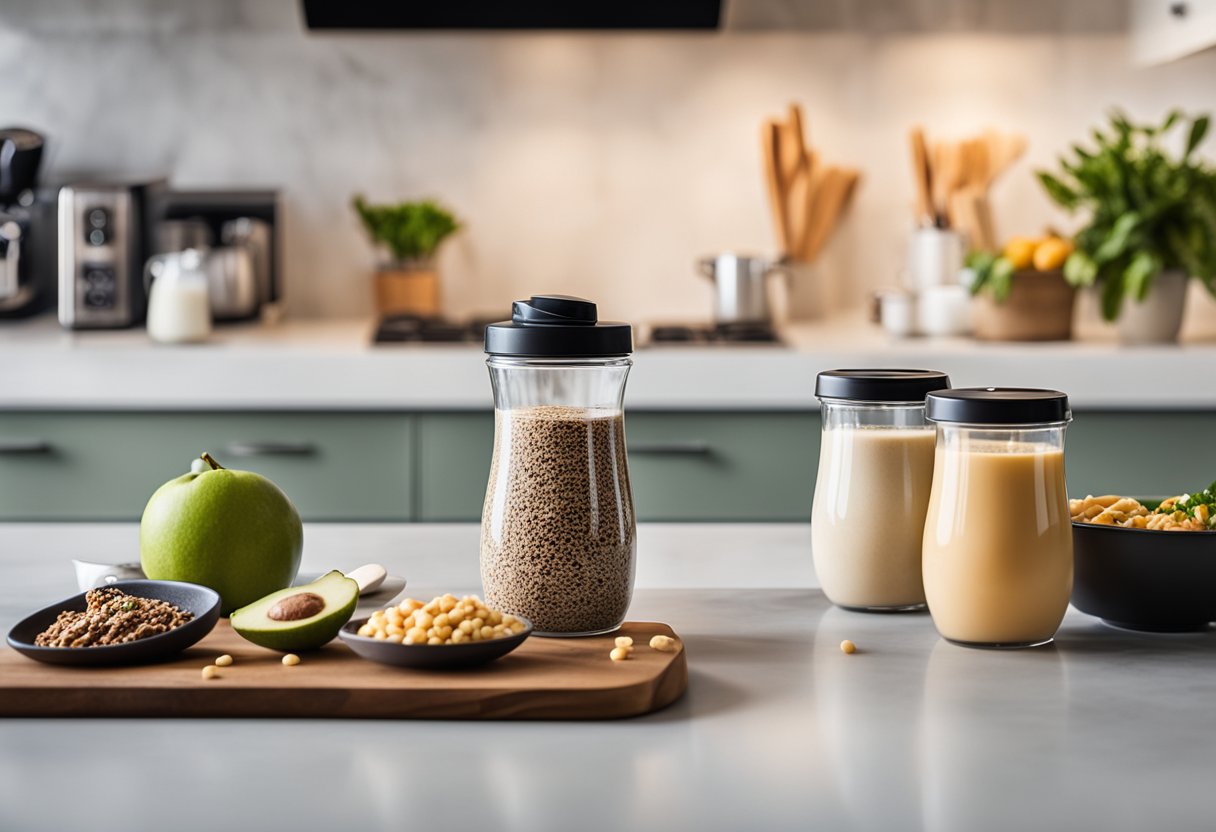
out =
column 513, row 14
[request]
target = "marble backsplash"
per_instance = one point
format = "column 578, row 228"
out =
column 599, row 165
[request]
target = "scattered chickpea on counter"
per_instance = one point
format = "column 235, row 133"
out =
column 210, row 672
column 664, row 644
column 291, row 660
column 444, row 619
column 847, row 646
column 223, row 661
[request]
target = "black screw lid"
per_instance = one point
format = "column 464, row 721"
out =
column 558, row 326
column 879, row 385
column 998, row 406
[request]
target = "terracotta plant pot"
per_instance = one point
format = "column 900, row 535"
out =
column 407, row 290
column 1039, row 308
column 1158, row 318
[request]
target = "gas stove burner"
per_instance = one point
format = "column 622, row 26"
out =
column 676, row 334
column 419, row 329
column 761, row 332
column 726, row 333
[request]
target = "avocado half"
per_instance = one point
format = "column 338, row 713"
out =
column 299, row 617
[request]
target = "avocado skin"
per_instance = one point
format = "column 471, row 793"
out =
column 307, row 634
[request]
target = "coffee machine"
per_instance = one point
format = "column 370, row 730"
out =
column 105, row 237
column 27, row 227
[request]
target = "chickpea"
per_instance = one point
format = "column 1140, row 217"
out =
column 291, row 660
column 847, row 646
column 623, row 641
column 442, row 620
column 664, row 644
column 210, row 672
column 223, row 661
column 619, row 654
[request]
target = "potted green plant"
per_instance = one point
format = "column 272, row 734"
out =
column 1151, row 222
column 411, row 232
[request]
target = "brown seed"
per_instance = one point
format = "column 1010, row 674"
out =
column 297, row 607
column 560, row 547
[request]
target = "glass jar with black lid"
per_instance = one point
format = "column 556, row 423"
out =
column 998, row 540
column 872, row 487
column 558, row 535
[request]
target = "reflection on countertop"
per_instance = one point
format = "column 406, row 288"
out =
column 779, row 729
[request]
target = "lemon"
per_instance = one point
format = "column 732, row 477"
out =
column 1020, row 252
column 1051, row 254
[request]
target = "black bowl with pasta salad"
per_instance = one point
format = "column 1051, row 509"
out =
column 1145, row 564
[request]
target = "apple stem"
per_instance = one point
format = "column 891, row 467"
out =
column 210, row 460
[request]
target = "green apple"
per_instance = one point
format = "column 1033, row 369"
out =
column 233, row 531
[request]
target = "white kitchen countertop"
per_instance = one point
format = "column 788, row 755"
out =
column 779, row 730
column 331, row 365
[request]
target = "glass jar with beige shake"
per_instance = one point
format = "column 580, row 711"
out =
column 872, row 490
column 998, row 539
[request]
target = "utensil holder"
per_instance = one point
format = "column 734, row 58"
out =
column 935, row 258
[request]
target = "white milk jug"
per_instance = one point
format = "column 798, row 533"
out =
column 179, row 309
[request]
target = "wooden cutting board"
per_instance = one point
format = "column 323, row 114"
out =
column 545, row 678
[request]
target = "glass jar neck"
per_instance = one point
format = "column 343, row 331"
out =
column 1011, row 439
column 588, row 383
column 848, row 413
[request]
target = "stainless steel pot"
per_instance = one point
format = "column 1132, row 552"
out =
column 741, row 293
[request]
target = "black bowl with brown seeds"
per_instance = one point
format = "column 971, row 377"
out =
column 202, row 603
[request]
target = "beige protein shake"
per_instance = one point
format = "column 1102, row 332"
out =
column 868, row 518
column 872, row 489
column 997, row 552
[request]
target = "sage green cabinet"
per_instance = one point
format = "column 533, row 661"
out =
column 104, row 466
column 339, row 466
column 454, row 452
column 683, row 466
column 723, row 466
column 1140, row 454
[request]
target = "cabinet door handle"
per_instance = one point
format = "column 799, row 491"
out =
column 677, row 447
column 271, row 448
column 25, row 446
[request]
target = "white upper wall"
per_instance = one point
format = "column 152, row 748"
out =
column 599, row 165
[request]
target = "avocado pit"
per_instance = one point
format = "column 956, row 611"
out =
column 296, row 607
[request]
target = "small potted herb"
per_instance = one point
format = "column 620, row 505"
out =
column 1151, row 222
column 1020, row 293
column 411, row 232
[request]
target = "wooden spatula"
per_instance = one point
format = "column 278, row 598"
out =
column 770, row 148
column 798, row 187
column 922, row 176
column 831, row 201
